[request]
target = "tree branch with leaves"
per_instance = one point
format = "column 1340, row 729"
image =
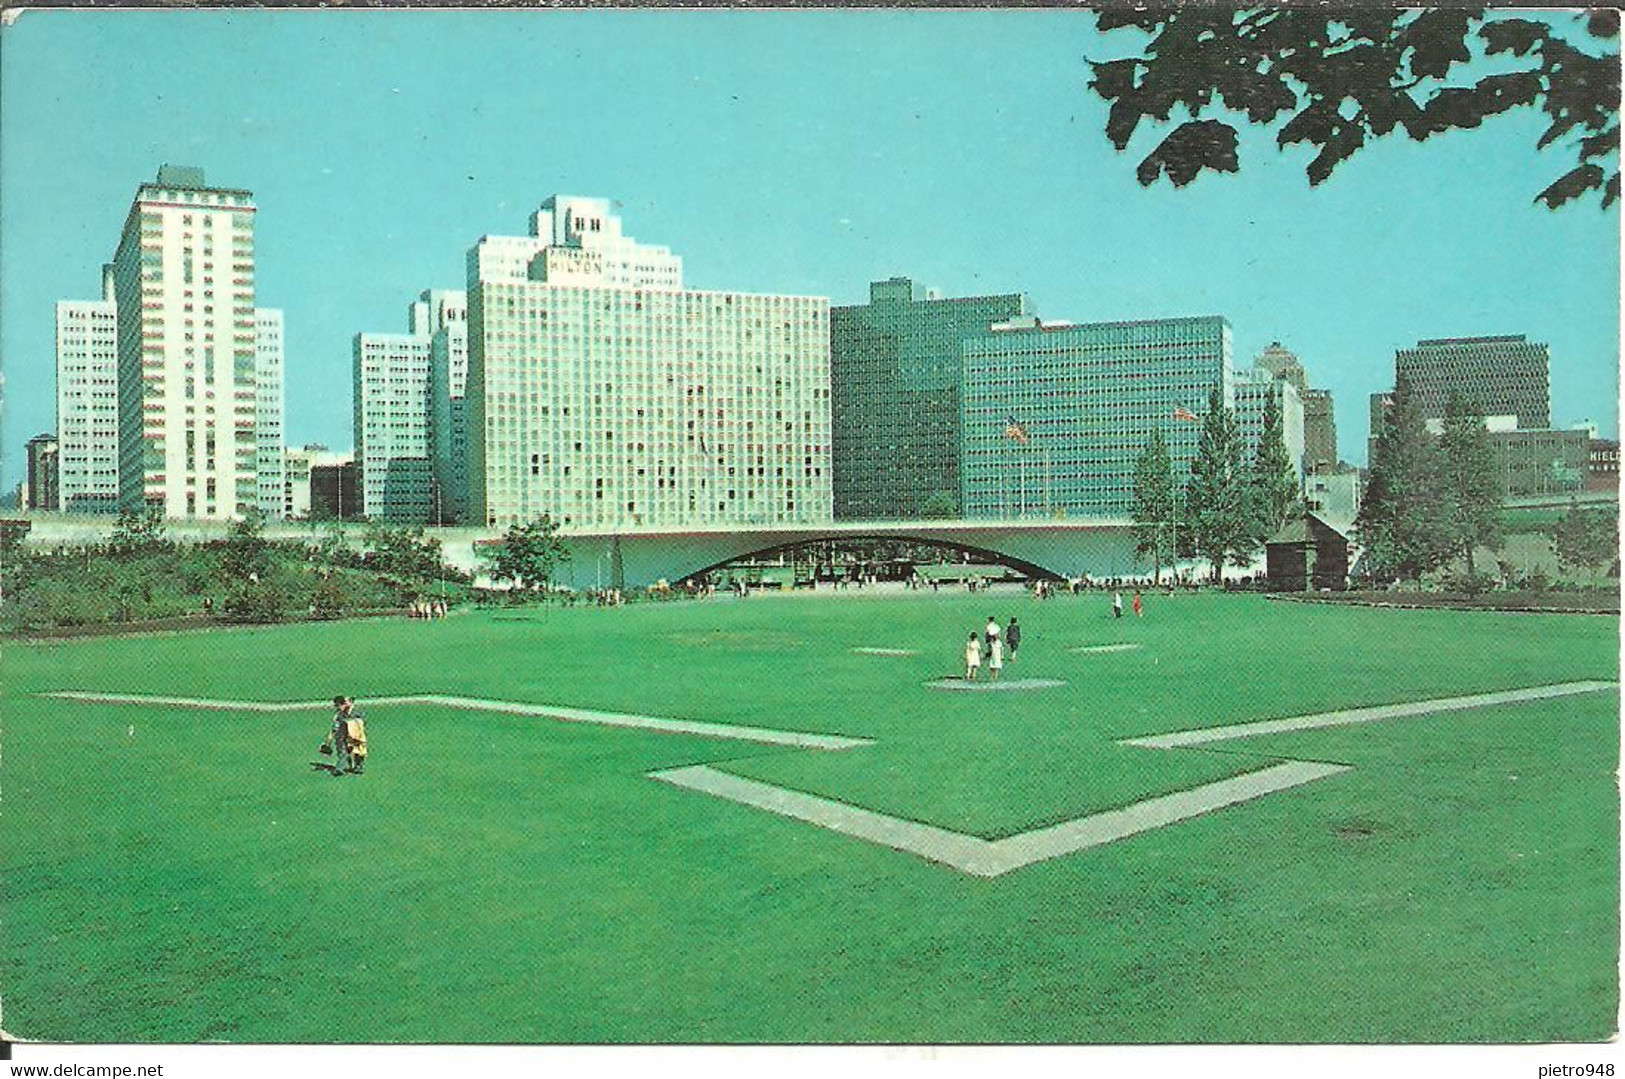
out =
column 1337, row 80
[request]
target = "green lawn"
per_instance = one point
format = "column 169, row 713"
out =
column 180, row 875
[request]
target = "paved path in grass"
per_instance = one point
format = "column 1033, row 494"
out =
column 992, row 858
column 1204, row 735
column 798, row 739
column 966, row 853
column 886, row 651
column 1100, row 649
column 1004, row 685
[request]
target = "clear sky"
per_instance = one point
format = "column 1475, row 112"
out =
column 800, row 152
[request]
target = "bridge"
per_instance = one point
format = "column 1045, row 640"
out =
column 1039, row 547
column 1099, row 547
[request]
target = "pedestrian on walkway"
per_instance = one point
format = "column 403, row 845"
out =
column 1013, row 635
column 973, row 657
column 1136, row 603
column 1117, row 605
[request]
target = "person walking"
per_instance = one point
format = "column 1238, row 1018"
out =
column 1117, row 605
column 1136, row 603
column 995, row 659
column 973, row 657
column 1012, row 635
column 337, row 742
column 991, row 631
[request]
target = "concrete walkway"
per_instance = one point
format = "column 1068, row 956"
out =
column 764, row 735
column 992, row 858
column 985, row 685
column 1202, row 736
column 1102, row 649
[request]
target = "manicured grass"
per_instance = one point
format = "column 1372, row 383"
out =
column 179, row 875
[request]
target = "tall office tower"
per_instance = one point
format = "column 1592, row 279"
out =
column 603, row 393
column 407, row 473
column 1283, row 364
column 1055, row 415
column 894, row 398
column 184, row 285
column 269, row 440
column 1497, row 376
column 1253, row 389
column 43, row 470
column 442, row 316
column 392, row 427
column 1319, row 432
column 87, row 402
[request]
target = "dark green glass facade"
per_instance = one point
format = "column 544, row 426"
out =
column 894, row 400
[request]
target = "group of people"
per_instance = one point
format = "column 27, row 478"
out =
column 992, row 642
column 346, row 743
column 427, row 608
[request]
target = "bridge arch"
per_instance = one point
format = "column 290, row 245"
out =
column 1040, row 549
column 983, row 554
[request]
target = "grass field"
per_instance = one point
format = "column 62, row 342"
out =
column 173, row 874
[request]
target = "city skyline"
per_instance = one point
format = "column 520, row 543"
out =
column 374, row 178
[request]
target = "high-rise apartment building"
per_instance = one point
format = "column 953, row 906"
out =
column 269, row 439
column 603, row 393
column 183, row 280
column 41, row 482
column 408, row 472
column 1496, row 376
column 1055, row 415
column 87, row 402
column 1253, row 390
column 894, row 398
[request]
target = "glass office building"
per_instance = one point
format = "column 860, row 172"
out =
column 895, row 410
column 1055, row 416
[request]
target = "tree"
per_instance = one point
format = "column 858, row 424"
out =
column 1216, row 494
column 1472, row 502
column 407, row 554
column 1586, row 540
column 1402, row 525
column 1272, row 482
column 528, row 554
column 246, row 556
column 1154, row 503
column 138, row 533
column 1347, row 76
column 939, row 504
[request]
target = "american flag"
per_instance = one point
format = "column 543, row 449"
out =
column 1015, row 431
column 1182, row 413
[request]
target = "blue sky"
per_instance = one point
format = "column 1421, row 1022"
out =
column 802, row 152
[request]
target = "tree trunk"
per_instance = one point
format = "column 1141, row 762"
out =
column 1470, row 546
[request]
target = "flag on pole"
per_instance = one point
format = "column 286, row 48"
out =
column 1014, row 430
column 1181, row 413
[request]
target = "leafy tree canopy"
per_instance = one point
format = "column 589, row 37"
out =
column 528, row 554
column 1341, row 79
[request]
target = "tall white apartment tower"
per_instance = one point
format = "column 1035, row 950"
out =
column 183, row 282
column 603, row 393
column 269, row 440
column 87, row 403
